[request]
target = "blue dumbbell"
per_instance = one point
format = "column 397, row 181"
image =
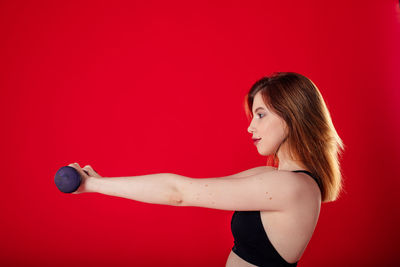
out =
column 68, row 179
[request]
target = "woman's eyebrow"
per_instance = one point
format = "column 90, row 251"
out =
column 258, row 109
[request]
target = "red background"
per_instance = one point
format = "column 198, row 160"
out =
column 135, row 88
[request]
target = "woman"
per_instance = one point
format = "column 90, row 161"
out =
column 276, row 206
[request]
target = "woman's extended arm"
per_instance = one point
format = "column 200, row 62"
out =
column 156, row 188
column 169, row 188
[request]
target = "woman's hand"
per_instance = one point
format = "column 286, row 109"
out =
column 86, row 173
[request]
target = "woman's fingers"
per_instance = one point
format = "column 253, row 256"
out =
column 84, row 175
column 90, row 170
column 78, row 168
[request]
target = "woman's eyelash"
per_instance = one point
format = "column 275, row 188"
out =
column 260, row 114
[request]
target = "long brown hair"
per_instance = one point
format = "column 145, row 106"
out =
column 312, row 138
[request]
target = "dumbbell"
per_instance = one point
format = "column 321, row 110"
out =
column 68, row 179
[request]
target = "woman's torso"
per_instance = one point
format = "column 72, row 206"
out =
column 289, row 231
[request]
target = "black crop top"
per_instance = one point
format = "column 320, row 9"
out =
column 251, row 242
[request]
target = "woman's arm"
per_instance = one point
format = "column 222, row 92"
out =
column 249, row 172
column 159, row 188
column 156, row 188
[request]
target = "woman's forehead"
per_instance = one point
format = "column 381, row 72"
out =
column 258, row 102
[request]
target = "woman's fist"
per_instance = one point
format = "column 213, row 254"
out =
column 86, row 173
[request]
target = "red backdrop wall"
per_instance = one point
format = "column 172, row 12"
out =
column 142, row 87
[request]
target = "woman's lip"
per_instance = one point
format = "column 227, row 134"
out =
column 256, row 141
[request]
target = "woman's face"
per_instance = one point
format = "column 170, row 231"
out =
column 268, row 126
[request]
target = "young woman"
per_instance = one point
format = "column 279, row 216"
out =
column 276, row 206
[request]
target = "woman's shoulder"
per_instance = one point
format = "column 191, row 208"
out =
column 305, row 184
column 300, row 182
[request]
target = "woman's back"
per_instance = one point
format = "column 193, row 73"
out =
column 280, row 236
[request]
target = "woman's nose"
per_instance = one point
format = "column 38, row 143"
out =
column 250, row 129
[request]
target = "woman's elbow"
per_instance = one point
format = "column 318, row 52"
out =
column 175, row 198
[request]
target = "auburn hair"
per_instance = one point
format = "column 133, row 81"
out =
column 312, row 139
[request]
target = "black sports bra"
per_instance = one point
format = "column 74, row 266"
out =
column 251, row 242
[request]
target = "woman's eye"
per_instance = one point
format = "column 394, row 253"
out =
column 260, row 114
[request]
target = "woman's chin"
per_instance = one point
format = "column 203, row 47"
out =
column 262, row 152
